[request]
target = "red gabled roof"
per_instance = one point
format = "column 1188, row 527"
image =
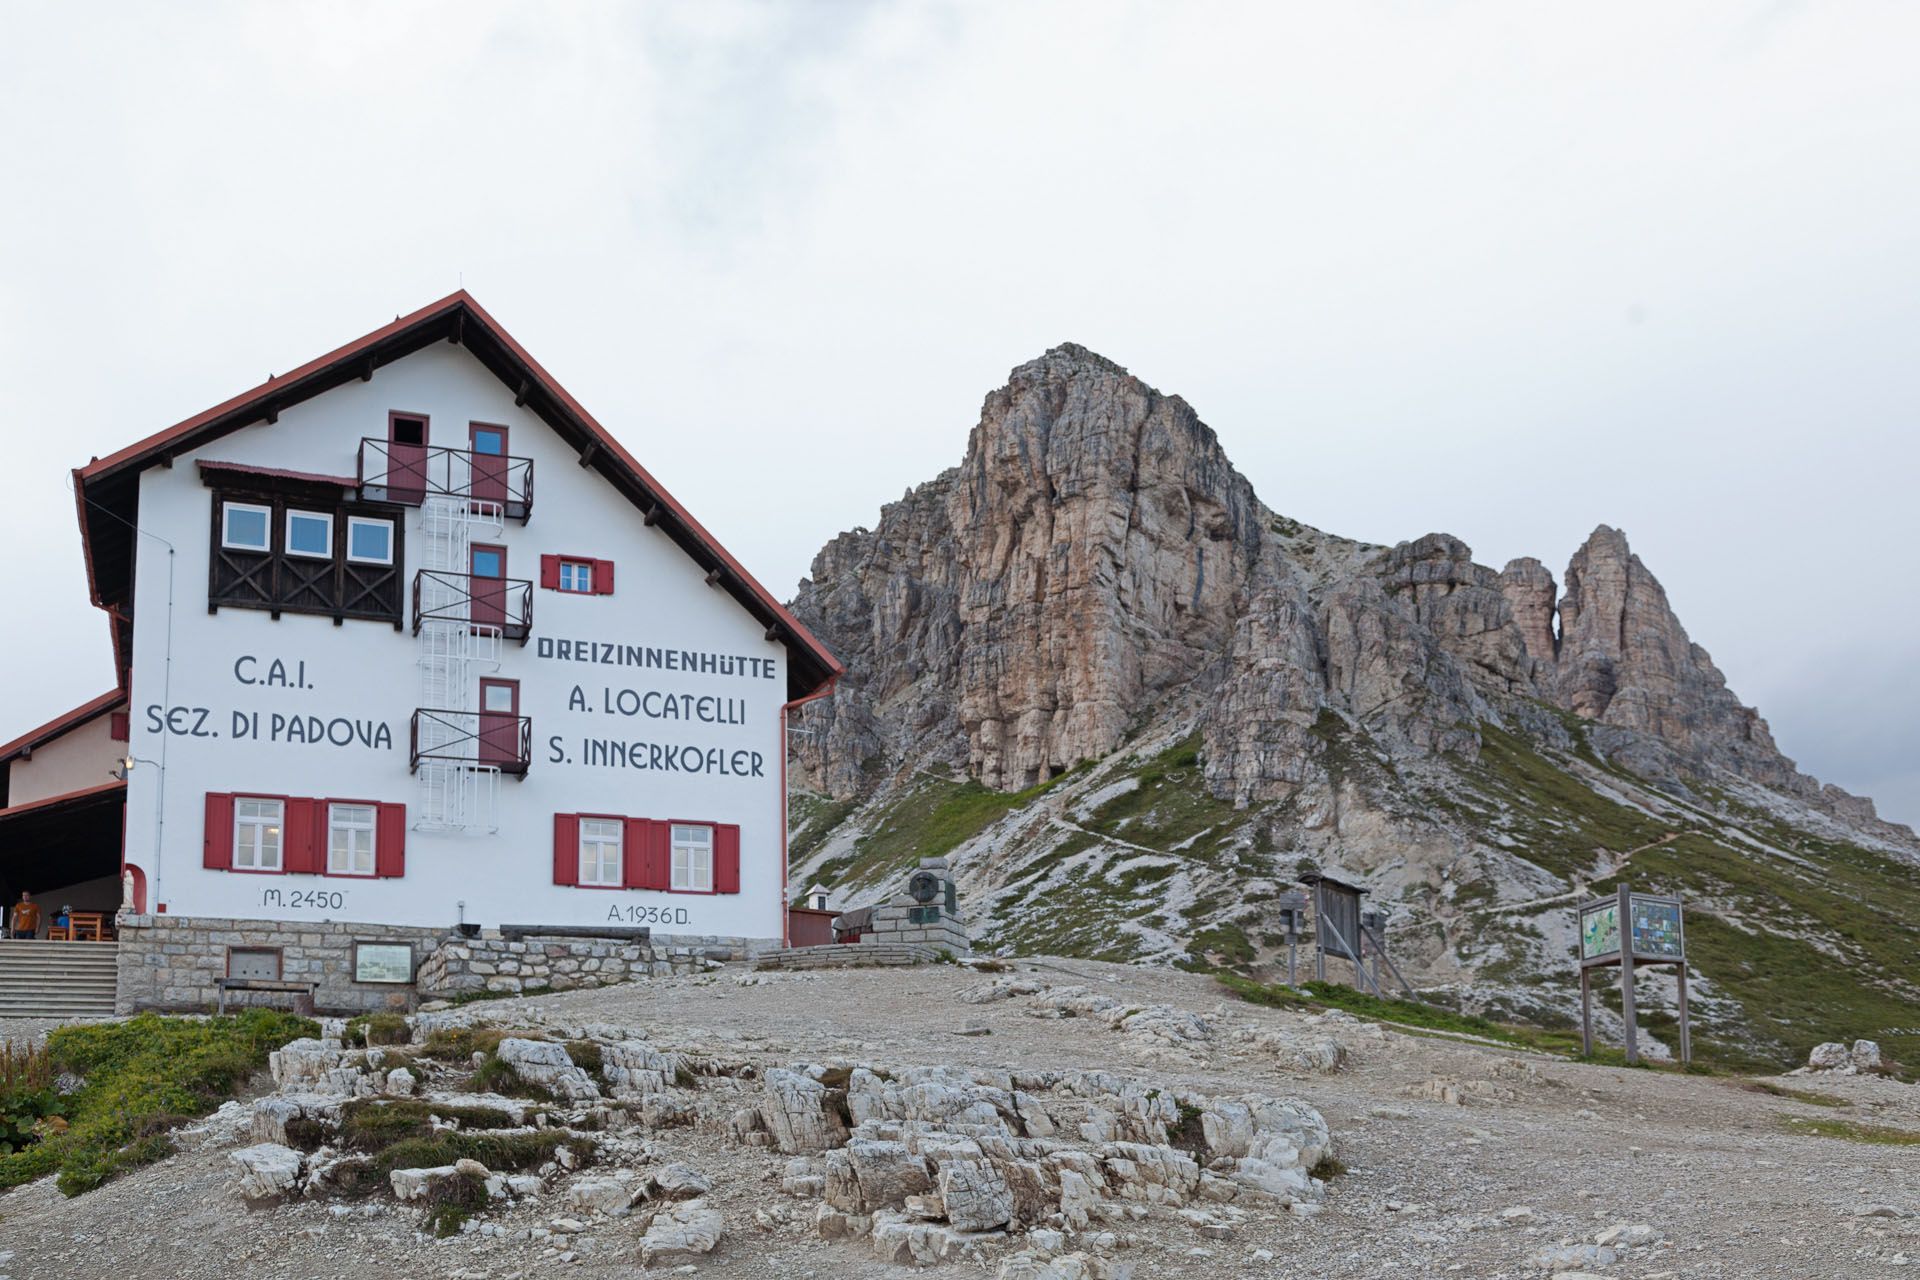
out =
column 106, row 489
column 92, row 709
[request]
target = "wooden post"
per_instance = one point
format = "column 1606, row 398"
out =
column 1319, row 936
column 1586, row 1012
column 1626, row 975
column 1686, row 1035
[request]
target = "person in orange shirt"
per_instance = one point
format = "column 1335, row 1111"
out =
column 26, row 917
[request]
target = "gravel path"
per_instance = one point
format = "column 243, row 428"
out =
column 1538, row 1152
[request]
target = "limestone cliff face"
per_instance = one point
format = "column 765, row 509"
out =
column 1016, row 614
column 1095, row 568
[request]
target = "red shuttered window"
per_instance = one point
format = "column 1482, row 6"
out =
column 576, row 575
column 648, row 855
column 726, row 858
column 390, row 845
column 304, row 836
column 304, row 842
column 217, row 849
column 566, row 848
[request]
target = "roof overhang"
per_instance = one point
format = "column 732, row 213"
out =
column 106, row 490
column 67, row 722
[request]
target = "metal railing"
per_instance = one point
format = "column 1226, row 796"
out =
column 480, row 739
column 411, row 473
column 506, row 604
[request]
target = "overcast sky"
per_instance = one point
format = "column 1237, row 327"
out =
column 1508, row 271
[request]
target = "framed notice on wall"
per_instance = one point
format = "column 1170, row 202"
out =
column 383, row 962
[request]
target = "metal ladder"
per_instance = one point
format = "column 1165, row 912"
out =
column 456, row 795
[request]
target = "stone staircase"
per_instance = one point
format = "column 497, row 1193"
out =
column 58, row 979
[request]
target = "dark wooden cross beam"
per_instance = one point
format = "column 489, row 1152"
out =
column 520, row 395
column 588, row 454
column 459, row 328
column 653, row 515
column 713, row 576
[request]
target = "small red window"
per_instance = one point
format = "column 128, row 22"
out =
column 117, row 725
column 577, row 575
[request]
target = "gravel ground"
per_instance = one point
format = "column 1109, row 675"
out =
column 1538, row 1152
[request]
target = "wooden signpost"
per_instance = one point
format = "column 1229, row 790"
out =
column 1630, row 929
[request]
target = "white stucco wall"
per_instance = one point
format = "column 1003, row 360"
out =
column 78, row 758
column 201, row 707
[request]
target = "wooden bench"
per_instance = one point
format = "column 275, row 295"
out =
column 302, row 992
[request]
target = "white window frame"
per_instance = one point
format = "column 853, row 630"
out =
column 692, row 845
column 250, row 834
column 325, row 518
column 582, row 566
column 354, row 522
column 339, row 823
column 608, row 875
column 266, row 525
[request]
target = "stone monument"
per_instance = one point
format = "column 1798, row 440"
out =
column 926, row 914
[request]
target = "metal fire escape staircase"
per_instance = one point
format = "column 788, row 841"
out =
column 457, row 794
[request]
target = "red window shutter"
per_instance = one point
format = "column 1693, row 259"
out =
column 117, row 725
column 390, row 841
column 656, row 869
column 633, row 853
column 603, row 577
column 217, row 847
column 302, row 840
column 566, row 848
column 726, row 858
column 550, row 572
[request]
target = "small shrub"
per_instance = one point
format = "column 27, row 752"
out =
column 377, row 1029
column 451, row 1201
column 369, row 1125
column 496, row 1075
column 1188, row 1134
column 458, row 1044
column 1328, row 1168
column 357, row 1179
column 28, row 1099
column 306, row 1134
column 501, row 1152
column 586, row 1056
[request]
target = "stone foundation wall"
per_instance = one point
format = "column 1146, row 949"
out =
column 463, row 965
column 846, row 955
column 174, row 963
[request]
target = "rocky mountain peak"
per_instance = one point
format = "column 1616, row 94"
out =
column 1095, row 567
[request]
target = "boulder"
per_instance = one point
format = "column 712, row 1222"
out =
column 601, row 1195
column 676, row 1182
column 411, row 1184
column 796, row 1112
column 681, row 1233
column 267, row 1170
column 975, row 1195
column 546, row 1064
column 869, row 1174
